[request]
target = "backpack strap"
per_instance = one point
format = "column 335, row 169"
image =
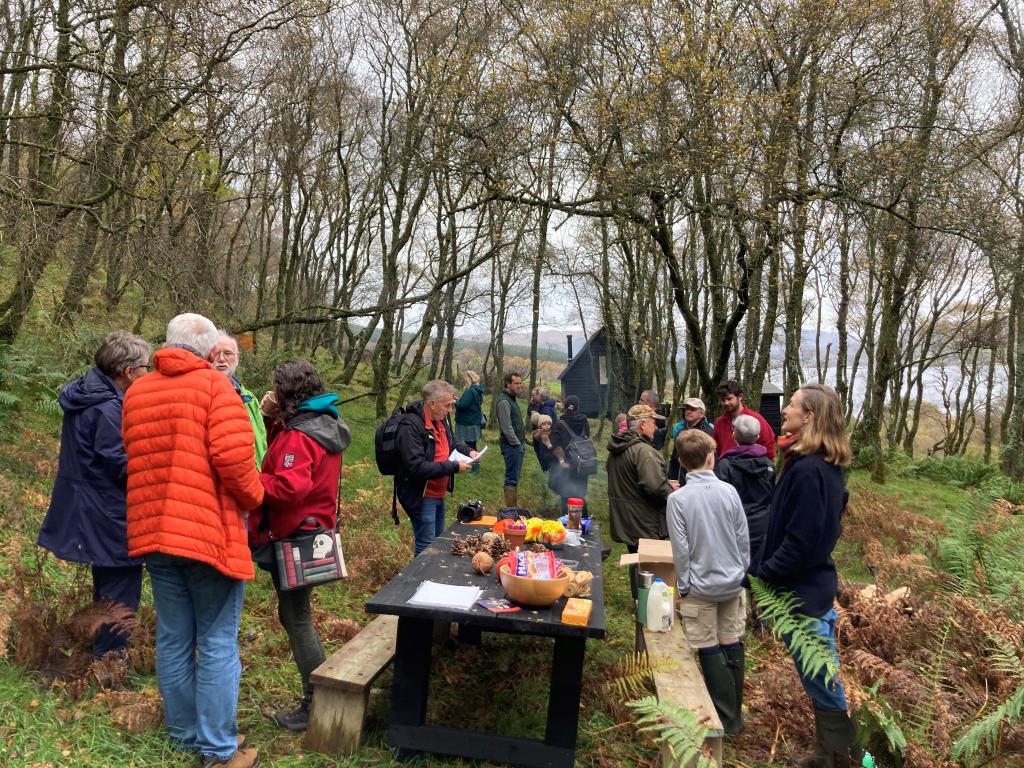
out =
column 394, row 506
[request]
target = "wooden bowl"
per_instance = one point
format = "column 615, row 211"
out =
column 537, row 592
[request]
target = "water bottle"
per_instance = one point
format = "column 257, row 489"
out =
column 659, row 607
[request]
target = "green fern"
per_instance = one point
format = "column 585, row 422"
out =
column 876, row 715
column 921, row 714
column 984, row 734
column 8, row 398
column 677, row 728
column 779, row 610
column 985, row 562
column 48, row 406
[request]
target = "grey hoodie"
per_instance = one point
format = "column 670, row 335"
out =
column 710, row 544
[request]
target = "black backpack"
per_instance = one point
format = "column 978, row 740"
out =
column 385, row 448
column 385, row 444
column 581, row 454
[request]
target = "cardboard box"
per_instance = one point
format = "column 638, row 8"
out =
column 654, row 555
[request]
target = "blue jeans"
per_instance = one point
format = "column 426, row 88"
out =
column 513, row 455
column 832, row 696
column 429, row 524
column 197, row 666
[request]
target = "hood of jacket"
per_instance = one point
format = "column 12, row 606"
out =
column 326, row 402
column 754, row 451
column 752, row 464
column 576, row 421
column 92, row 389
column 178, row 360
column 321, row 422
column 624, row 440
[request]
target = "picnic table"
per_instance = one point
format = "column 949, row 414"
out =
column 408, row 729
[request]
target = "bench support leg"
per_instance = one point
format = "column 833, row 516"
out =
column 336, row 720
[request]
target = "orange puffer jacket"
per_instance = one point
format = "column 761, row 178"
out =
column 191, row 464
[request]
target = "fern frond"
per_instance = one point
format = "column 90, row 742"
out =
column 810, row 651
column 678, row 728
column 921, row 715
column 8, row 398
column 49, row 407
column 984, row 734
column 876, row 714
column 1003, row 657
column 631, row 675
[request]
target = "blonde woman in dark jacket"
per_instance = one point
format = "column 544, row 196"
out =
column 797, row 553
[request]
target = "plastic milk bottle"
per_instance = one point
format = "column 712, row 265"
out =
column 659, row 607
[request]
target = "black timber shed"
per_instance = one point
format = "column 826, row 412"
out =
column 771, row 406
column 591, row 375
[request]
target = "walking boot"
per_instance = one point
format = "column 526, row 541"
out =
column 511, row 494
column 734, row 658
column 838, row 738
column 722, row 688
column 298, row 718
column 244, row 757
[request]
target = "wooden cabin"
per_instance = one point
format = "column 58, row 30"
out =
column 771, row 406
column 591, row 376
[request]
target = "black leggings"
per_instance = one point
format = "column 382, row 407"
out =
column 296, row 617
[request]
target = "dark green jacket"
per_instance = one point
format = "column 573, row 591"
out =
column 510, row 418
column 637, row 489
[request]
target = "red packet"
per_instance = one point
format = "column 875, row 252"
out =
column 497, row 605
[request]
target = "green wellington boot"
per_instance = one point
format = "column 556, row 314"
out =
column 734, row 656
column 722, row 686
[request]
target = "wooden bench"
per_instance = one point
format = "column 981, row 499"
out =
column 682, row 684
column 341, row 688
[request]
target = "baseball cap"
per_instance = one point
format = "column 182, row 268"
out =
column 694, row 402
column 643, row 411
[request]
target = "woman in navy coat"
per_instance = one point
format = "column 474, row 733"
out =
column 796, row 556
column 86, row 519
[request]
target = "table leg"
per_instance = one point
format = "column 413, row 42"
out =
column 564, row 697
column 410, row 684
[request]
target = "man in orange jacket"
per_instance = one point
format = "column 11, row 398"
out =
column 192, row 478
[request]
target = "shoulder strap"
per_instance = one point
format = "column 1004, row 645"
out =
column 572, row 434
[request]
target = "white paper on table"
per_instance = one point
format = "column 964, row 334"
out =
column 445, row 596
column 456, row 455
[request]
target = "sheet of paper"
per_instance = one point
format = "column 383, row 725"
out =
column 445, row 596
column 457, row 456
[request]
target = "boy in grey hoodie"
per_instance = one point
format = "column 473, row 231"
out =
column 711, row 549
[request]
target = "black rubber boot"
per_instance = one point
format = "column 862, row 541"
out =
column 734, row 657
column 722, row 687
column 817, row 758
column 839, row 738
column 298, row 718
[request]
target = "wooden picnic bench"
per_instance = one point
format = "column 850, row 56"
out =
column 682, row 684
column 341, row 688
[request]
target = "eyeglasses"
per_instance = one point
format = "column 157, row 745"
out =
column 225, row 355
column 147, row 366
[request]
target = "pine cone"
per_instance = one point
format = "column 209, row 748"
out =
column 458, row 546
column 473, row 544
column 538, row 547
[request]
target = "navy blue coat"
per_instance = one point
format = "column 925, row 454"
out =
column 802, row 532
column 86, row 520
